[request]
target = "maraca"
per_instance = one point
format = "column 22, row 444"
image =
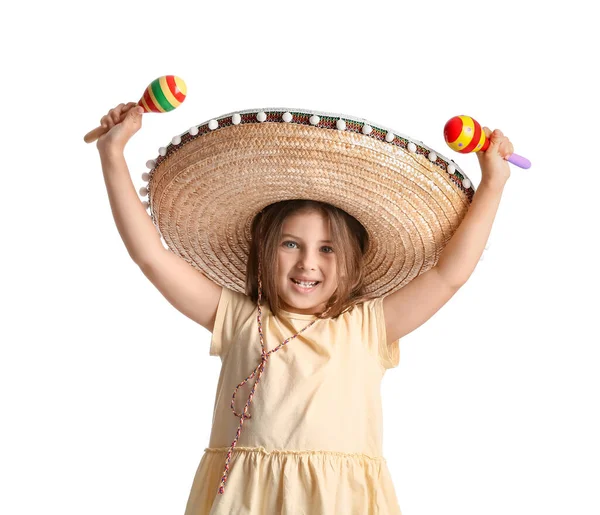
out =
column 162, row 95
column 464, row 134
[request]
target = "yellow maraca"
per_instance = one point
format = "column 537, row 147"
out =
column 162, row 95
column 464, row 134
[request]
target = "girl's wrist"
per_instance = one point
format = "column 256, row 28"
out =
column 494, row 183
column 109, row 150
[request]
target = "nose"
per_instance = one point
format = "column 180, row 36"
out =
column 307, row 260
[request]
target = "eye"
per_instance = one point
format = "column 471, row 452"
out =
column 294, row 243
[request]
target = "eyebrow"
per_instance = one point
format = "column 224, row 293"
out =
column 298, row 238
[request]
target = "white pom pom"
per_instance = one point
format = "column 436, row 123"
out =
column 146, row 176
column 287, row 117
column 213, row 124
column 412, row 147
column 151, row 163
column 466, row 183
column 314, row 120
column 176, row 140
column 451, row 169
column 341, row 124
column 367, row 129
column 261, row 117
column 143, row 191
column 193, row 130
column 145, row 204
column 236, row 119
column 162, row 151
column 389, row 136
column 487, row 245
column 432, row 156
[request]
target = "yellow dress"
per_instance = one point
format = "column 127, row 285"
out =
column 313, row 444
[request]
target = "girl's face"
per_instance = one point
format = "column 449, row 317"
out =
column 305, row 252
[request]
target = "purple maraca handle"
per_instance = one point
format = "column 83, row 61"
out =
column 518, row 160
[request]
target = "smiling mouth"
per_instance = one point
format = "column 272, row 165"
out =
column 306, row 285
column 305, row 289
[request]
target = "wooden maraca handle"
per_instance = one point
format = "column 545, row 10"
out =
column 162, row 95
column 94, row 134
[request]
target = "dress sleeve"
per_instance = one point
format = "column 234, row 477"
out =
column 235, row 310
column 389, row 353
column 222, row 330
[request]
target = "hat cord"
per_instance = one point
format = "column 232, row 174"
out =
column 260, row 368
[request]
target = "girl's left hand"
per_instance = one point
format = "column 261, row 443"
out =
column 493, row 162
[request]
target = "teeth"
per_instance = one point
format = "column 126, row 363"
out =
column 306, row 285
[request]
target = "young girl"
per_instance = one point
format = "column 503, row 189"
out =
column 314, row 247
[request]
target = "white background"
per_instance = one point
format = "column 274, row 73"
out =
column 107, row 391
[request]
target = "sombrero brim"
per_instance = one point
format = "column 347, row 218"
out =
column 208, row 184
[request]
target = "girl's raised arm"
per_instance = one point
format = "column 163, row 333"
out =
column 462, row 253
column 133, row 222
column 187, row 289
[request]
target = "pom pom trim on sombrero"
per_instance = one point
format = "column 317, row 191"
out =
column 419, row 192
column 322, row 120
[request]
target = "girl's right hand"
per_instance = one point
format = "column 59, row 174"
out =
column 123, row 122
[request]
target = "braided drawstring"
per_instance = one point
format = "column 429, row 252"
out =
column 260, row 369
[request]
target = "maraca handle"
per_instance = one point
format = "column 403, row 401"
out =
column 93, row 135
column 520, row 161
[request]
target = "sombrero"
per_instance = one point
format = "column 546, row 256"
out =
column 206, row 186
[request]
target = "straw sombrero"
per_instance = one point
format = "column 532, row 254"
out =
column 207, row 185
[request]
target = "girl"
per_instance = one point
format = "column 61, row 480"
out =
column 315, row 242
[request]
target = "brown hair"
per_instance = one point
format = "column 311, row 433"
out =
column 350, row 243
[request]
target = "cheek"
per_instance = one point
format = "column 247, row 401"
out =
column 282, row 263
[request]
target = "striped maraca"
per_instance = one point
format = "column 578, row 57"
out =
column 162, row 95
column 464, row 134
